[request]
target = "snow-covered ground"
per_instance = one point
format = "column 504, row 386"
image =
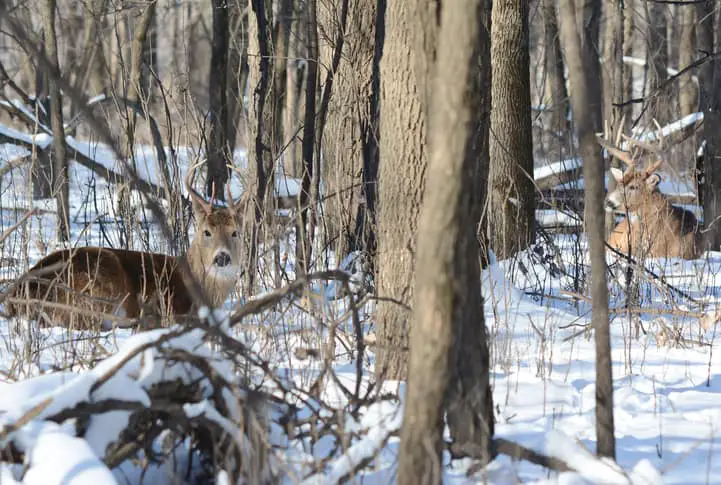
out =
column 666, row 367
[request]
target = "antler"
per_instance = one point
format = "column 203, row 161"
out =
column 626, row 157
column 199, row 199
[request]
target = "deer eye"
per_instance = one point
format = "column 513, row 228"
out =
column 206, row 233
column 235, row 234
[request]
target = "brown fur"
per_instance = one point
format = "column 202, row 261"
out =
column 134, row 283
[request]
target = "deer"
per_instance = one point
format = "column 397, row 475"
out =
column 76, row 285
column 653, row 226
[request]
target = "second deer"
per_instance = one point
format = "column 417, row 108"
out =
column 75, row 287
column 653, row 227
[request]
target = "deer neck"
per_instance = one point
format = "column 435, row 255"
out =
column 654, row 207
column 216, row 285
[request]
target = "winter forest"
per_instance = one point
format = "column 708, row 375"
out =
column 360, row 241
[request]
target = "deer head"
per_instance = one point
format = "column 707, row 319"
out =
column 634, row 187
column 216, row 251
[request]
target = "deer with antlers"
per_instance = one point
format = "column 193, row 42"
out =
column 76, row 286
column 653, row 226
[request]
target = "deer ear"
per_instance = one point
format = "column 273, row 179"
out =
column 653, row 180
column 617, row 173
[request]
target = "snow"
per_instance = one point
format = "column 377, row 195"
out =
column 667, row 400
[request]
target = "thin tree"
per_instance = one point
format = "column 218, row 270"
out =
column 586, row 102
column 219, row 150
column 556, row 82
column 303, row 235
column 688, row 90
column 447, row 275
column 658, row 60
column 511, row 195
column 710, row 97
column 60, row 179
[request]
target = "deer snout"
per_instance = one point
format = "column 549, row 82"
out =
column 222, row 259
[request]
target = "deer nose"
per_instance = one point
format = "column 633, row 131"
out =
column 222, row 259
column 611, row 204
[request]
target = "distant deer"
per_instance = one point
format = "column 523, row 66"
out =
column 653, row 227
column 125, row 283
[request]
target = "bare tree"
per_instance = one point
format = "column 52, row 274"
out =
column 219, row 149
column 710, row 97
column 401, row 176
column 688, row 90
column 658, row 59
column 447, row 274
column 304, row 234
column 60, row 179
column 556, row 81
column 586, row 102
column 511, row 195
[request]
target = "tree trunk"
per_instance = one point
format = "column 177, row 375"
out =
column 558, row 128
column 586, row 107
column 688, row 90
column 658, row 62
column 511, row 215
column 280, row 71
column 613, row 85
column 93, row 63
column 469, row 400
column 60, row 162
column 709, row 84
column 447, row 245
column 237, row 70
column 401, row 179
column 260, row 122
column 219, row 150
column 349, row 117
column 303, row 239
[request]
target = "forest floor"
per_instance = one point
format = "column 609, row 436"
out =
column 667, row 372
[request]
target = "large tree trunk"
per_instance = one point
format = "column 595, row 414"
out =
column 401, row 177
column 710, row 87
column 586, row 107
column 469, row 399
column 219, row 150
column 349, row 116
column 511, row 195
column 60, row 179
column 447, row 245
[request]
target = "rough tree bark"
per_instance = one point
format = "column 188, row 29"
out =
column 710, row 97
column 447, row 275
column 237, row 68
column 59, row 160
column 586, row 102
column 401, row 179
column 511, row 195
column 350, row 114
column 219, row 150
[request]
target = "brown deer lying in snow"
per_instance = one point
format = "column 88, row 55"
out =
column 652, row 227
column 125, row 283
